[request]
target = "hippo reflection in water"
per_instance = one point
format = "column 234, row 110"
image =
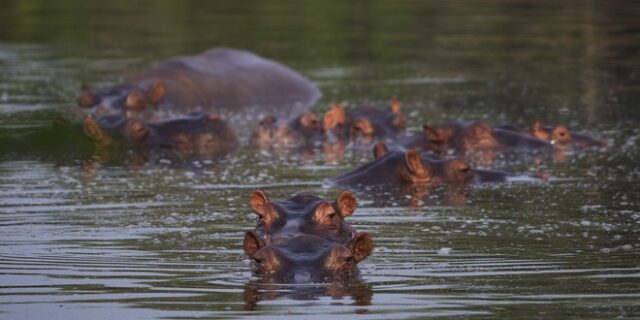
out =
column 265, row 288
column 303, row 214
column 306, row 258
column 221, row 80
column 194, row 135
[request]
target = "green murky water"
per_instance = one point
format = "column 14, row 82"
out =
column 82, row 236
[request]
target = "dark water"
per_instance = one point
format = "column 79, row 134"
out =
column 83, row 236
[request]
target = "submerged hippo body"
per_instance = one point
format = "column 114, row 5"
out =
column 197, row 134
column 303, row 214
column 226, row 81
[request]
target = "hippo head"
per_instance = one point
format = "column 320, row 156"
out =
column 434, row 139
column 479, row 135
column 303, row 214
column 306, row 258
column 432, row 169
column 299, row 131
column 558, row 135
column 129, row 98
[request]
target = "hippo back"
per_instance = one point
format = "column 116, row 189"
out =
column 232, row 82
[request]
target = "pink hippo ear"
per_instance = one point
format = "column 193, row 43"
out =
column 262, row 207
column 258, row 200
column 538, row 131
column 394, row 105
column 380, row 149
column 361, row 246
column 252, row 244
column 345, row 204
column 135, row 101
column 362, row 127
column 157, row 92
column 414, row 163
column 334, row 117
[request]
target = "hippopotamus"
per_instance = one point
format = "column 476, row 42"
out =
column 396, row 168
column 365, row 123
column 562, row 138
column 306, row 258
column 477, row 141
column 193, row 135
column 303, row 214
column 299, row 132
column 401, row 168
column 221, row 80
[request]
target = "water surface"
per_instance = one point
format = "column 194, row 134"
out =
column 88, row 235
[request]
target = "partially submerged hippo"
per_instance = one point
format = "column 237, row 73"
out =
column 306, row 258
column 562, row 138
column 303, row 214
column 196, row 134
column 221, row 80
column 299, row 132
column 401, row 168
column 365, row 122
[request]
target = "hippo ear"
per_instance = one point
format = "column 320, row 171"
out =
column 334, row 117
column 537, row 131
column 432, row 135
column 252, row 243
column 413, row 162
column 345, row 204
column 361, row 246
column 138, row 130
column 380, row 149
column 362, row 126
column 394, row 105
column 258, row 200
column 309, row 120
column 157, row 92
column 135, row 100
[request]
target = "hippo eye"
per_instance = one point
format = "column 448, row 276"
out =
column 465, row 169
column 348, row 259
